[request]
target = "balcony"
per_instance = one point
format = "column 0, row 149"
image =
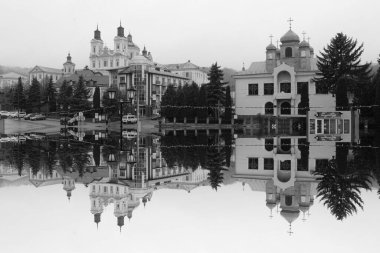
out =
column 283, row 95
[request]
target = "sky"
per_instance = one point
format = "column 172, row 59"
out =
column 42, row 32
column 230, row 220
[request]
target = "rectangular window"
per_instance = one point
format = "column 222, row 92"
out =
column 300, row 86
column 319, row 126
column 326, row 126
column 300, row 165
column 122, row 79
column 111, row 63
column 268, row 88
column 346, row 126
column 340, row 126
column 93, row 64
column 117, row 63
column 332, row 126
column 253, row 89
column 285, row 87
column 312, row 126
column 253, row 163
column 268, row 163
column 105, row 63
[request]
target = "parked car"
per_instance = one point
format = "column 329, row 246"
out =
column 38, row 117
column 156, row 116
column 129, row 119
column 20, row 115
column 28, row 116
column 68, row 121
column 4, row 114
column 130, row 134
column 12, row 114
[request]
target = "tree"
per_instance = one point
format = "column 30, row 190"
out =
column 81, row 94
column 50, row 95
column 215, row 89
column 215, row 164
column 341, row 94
column 202, row 112
column 34, row 96
column 168, row 100
column 65, row 95
column 19, row 96
column 228, row 105
column 304, row 103
column 341, row 58
column 96, row 100
column 376, row 83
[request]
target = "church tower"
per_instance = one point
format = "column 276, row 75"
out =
column 120, row 41
column 271, row 56
column 68, row 186
column 96, row 48
column 68, row 66
column 120, row 211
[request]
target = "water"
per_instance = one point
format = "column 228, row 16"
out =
column 95, row 191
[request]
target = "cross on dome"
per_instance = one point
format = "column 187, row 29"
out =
column 290, row 20
column 271, row 36
column 303, row 33
column 308, row 39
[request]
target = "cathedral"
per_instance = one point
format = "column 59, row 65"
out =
column 104, row 58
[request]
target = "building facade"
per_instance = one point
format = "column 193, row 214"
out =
column 10, row 80
column 189, row 70
column 103, row 58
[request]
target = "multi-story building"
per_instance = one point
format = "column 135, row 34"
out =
column 189, row 70
column 150, row 80
column 103, row 58
column 10, row 80
column 43, row 74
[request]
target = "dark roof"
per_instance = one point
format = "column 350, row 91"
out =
column 88, row 75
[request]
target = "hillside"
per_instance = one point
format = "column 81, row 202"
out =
column 19, row 70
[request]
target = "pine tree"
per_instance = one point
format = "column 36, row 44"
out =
column 65, row 95
column 202, row 112
column 34, row 97
column 376, row 83
column 304, row 103
column 50, row 95
column 96, row 100
column 81, row 94
column 228, row 105
column 19, row 96
column 168, row 100
column 341, row 94
column 341, row 58
column 215, row 89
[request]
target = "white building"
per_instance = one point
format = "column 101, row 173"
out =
column 189, row 70
column 103, row 58
column 10, row 80
column 273, row 87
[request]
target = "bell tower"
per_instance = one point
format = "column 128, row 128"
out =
column 68, row 66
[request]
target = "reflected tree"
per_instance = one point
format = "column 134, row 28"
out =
column 216, row 165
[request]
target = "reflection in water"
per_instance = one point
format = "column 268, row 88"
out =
column 125, row 172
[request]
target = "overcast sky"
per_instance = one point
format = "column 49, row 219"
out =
column 42, row 32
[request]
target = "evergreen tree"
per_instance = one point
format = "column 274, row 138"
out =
column 215, row 89
column 179, row 103
column 65, row 95
column 96, row 100
column 50, row 95
column 19, row 96
column 215, row 164
column 228, row 105
column 34, row 96
column 304, row 103
column 376, row 83
column 81, row 94
column 168, row 100
column 341, row 94
column 341, row 58
column 202, row 112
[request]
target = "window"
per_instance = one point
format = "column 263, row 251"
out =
column 300, row 86
column 117, row 46
column 117, row 63
column 268, row 88
column 319, row 126
column 346, row 126
column 288, row 200
column 111, row 63
column 288, row 52
column 285, row 165
column 285, row 87
column 268, row 144
column 300, row 165
column 312, row 126
column 253, row 89
column 285, row 108
column 268, row 163
column 94, row 50
column 269, row 108
column 105, row 63
column 253, row 163
column 122, row 79
column 270, row 56
column 303, row 53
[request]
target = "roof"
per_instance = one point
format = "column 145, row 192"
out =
column 290, row 36
column 183, row 66
column 255, row 68
column 88, row 75
column 304, row 43
column 47, row 70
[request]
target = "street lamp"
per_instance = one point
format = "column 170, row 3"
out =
column 131, row 95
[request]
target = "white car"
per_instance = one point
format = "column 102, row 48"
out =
column 129, row 119
column 20, row 114
column 130, row 134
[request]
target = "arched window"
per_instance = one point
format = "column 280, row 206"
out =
column 285, row 108
column 285, row 145
column 288, row 52
column 269, row 108
column 268, row 144
column 288, row 200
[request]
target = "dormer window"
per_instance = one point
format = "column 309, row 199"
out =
column 288, row 52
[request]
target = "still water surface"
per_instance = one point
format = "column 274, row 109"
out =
column 218, row 193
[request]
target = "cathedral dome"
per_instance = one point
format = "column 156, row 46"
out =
column 140, row 59
column 304, row 43
column 290, row 216
column 271, row 47
column 290, row 36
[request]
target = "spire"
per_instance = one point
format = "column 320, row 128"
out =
column 243, row 69
column 290, row 20
column 144, row 52
column 97, row 33
column 68, row 57
column 120, row 31
column 290, row 232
